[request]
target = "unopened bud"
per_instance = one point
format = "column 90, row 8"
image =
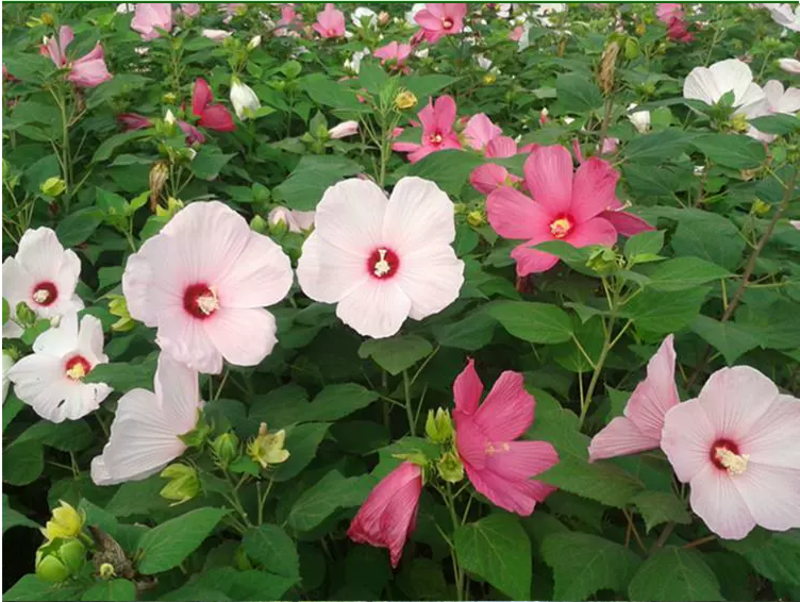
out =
column 173, row 206
column 450, row 468
column 106, row 571
column 47, row 19
column 226, row 449
column 53, row 187
column 439, row 427
column 170, row 98
column 60, row 559
column 259, row 224
column 119, row 307
column 254, row 43
column 24, row 314
column 603, row 261
column 405, row 100
column 183, row 486
column 489, row 78
column 475, row 218
column 760, row 208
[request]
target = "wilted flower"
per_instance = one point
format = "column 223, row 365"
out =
column 65, row 523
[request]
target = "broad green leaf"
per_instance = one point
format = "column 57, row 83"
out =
column 776, row 556
column 727, row 337
column 423, row 579
column 302, row 442
column 577, row 94
column 116, row 590
column 449, row 169
column 675, row 575
column 498, row 550
column 79, row 226
column 329, row 494
column 603, row 482
column 124, row 376
column 396, row 353
column 13, row 518
column 30, row 587
column 138, row 498
column 166, row 545
column 280, row 407
column 683, row 273
column 534, row 322
column 471, row 333
column 11, row 408
column 97, row 517
column 584, row 564
column 706, row 235
column 372, row 77
column 304, row 187
column 423, row 86
column 776, row 124
column 657, row 147
column 209, row 162
column 731, row 150
column 662, row 312
column 109, row 145
column 274, row 550
column 659, row 507
column 22, row 463
column 337, row 95
column 337, row 401
column 67, row 436
column 644, row 243
column 245, row 585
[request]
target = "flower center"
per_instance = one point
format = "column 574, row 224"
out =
column 45, row 293
column 561, row 227
column 200, row 300
column 77, row 367
column 725, row 456
column 447, row 23
column 383, row 263
column 436, row 138
column 332, row 33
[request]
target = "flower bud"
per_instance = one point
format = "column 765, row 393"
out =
column 53, row 187
column 739, row 123
column 489, row 78
column 24, row 314
column 760, row 208
column 439, row 427
column 244, row 100
column 106, row 571
column 343, row 130
column 66, row 523
column 47, row 19
column 119, row 307
column 259, row 224
column 170, row 118
column 183, row 485
column 170, row 98
column 383, row 18
column 226, row 449
column 268, row 449
column 60, row 559
column 475, row 218
column 450, row 468
column 405, row 100
column 254, row 43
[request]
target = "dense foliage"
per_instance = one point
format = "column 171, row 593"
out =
column 666, row 225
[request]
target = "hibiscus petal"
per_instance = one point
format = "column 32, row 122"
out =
column 656, row 394
column 350, row 216
column 218, row 118
column 184, row 337
column 431, row 278
column 516, row 216
column 594, row 189
column 548, row 174
column 201, row 96
column 419, row 217
column 507, row 411
column 717, row 501
column 596, row 231
column 445, row 114
column 244, row 336
column 326, row 273
column 177, row 389
column 771, row 494
column 773, row 438
column 531, row 261
column 375, row 308
column 521, row 460
column 687, row 439
column 619, row 438
column 627, row 224
column 467, row 389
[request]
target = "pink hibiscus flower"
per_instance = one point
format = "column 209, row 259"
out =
column 489, row 177
column 480, row 131
column 437, row 130
column 203, row 282
column 736, row 446
column 564, row 207
column 148, row 18
column 382, row 260
column 640, row 427
column 389, row 514
column 672, row 15
column 394, row 55
column 498, row 466
column 212, row 116
column 89, row 71
column 439, row 19
column 330, row 22
column 290, row 21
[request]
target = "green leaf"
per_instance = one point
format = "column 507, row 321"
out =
column 304, row 187
column 727, row 337
column 776, row 124
column 22, row 463
column 498, row 550
column 731, row 150
column 67, row 436
column 11, row 408
column 577, row 93
column 472, row 333
column 659, row 507
column 661, row 312
column 776, row 556
column 600, row 481
column 124, row 376
column 77, row 227
column 30, row 587
column 423, row 86
column 535, row 322
column 644, row 243
column 12, row 518
column 656, row 148
column 245, row 585
column 109, row 145
column 337, row 401
column 209, row 162
column 274, row 550
column 338, row 95
column 396, row 353
column 116, row 590
column 584, row 564
column 138, row 498
column 675, row 575
column 706, row 235
column 329, row 494
column 450, row 169
column 683, row 273
column 166, row 545
column 302, row 442
column 372, row 77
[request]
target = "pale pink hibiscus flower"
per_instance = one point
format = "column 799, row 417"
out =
column 439, row 19
column 150, row 17
column 437, row 130
column 639, row 429
column 330, row 22
column 290, row 22
column 190, row 9
column 563, row 207
column 382, row 260
column 394, row 56
column 43, row 275
column 777, row 100
column 790, row 65
column 736, row 446
column 489, row 177
column 89, row 71
column 296, row 221
column 203, row 282
column 389, row 514
column 50, row 380
column 480, row 131
column 145, row 434
column 500, row 467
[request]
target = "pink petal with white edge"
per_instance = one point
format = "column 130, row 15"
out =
column 773, row 439
column 244, row 336
column 327, row 273
column 736, row 398
column 467, row 389
column 594, row 189
column 419, row 215
column 687, row 439
column 350, row 216
column 375, row 308
column 656, row 394
column 620, row 437
column 431, row 278
column 771, row 494
column 508, row 409
column 716, row 500
column 548, row 174
column 516, row 216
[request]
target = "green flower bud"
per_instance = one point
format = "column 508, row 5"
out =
column 25, row 314
column 259, row 224
column 58, row 560
column 450, row 468
column 53, row 187
column 439, row 427
column 225, row 449
column 183, row 485
column 119, row 307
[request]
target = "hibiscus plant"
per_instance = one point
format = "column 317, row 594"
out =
column 444, row 301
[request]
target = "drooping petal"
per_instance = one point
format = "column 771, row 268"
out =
column 771, row 494
column 656, row 394
column 244, row 336
column 489, row 177
column 514, row 215
column 548, row 174
column 508, row 409
column 619, row 438
column 594, row 189
column 218, row 118
column 350, row 216
column 687, row 439
column 419, row 216
column 201, row 96
column 177, row 389
column 375, row 308
column 467, row 389
column 501, row 147
column 399, row 518
column 717, row 501
column 327, row 273
column 431, row 278
column 626, row 224
column 521, row 460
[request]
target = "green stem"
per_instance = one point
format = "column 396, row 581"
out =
column 409, row 410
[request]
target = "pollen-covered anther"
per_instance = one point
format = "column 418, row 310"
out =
column 382, row 266
column 735, row 463
column 560, row 228
column 208, row 303
column 41, row 296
